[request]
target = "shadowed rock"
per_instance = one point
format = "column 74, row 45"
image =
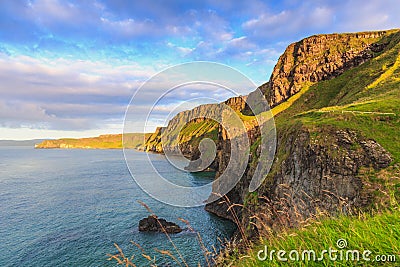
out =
column 155, row 224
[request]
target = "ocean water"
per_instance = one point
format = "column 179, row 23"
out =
column 68, row 208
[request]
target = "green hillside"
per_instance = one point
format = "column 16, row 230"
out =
column 365, row 99
column 108, row 141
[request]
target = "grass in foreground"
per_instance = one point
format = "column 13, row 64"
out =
column 378, row 233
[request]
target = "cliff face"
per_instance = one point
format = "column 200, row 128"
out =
column 318, row 58
column 196, row 126
column 319, row 158
column 153, row 142
column 314, row 171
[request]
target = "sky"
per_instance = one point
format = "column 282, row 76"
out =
column 70, row 68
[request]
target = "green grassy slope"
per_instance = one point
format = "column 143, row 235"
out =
column 109, row 141
column 378, row 233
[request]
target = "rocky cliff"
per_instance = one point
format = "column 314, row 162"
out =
column 318, row 58
column 323, row 141
column 321, row 152
column 314, row 171
column 189, row 127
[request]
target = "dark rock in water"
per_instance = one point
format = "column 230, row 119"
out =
column 155, row 224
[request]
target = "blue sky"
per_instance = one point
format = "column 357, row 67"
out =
column 69, row 68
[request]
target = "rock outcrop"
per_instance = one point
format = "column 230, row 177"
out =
column 313, row 172
column 188, row 144
column 237, row 103
column 317, row 58
column 155, row 224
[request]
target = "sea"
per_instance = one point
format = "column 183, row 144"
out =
column 62, row 207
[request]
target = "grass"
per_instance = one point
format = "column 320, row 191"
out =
column 109, row 141
column 387, row 74
column 383, row 129
column 287, row 104
column 379, row 233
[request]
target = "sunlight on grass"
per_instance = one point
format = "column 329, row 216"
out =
column 379, row 233
column 386, row 75
column 285, row 105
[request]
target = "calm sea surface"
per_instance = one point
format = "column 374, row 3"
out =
column 68, row 208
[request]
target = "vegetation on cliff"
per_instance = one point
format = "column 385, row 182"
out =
column 329, row 121
column 107, row 141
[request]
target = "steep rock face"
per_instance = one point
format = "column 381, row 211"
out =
column 223, row 208
column 196, row 115
column 313, row 172
column 152, row 143
column 237, row 103
column 321, row 174
column 318, row 58
column 317, row 168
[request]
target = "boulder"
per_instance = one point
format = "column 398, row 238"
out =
column 154, row 224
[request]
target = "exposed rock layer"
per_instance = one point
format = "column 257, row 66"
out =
column 311, row 174
column 318, row 58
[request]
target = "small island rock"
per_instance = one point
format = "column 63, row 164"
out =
column 150, row 224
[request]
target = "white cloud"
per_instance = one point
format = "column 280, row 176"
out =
column 65, row 94
column 52, row 13
column 38, row 78
column 31, row 115
column 287, row 23
column 130, row 28
column 357, row 15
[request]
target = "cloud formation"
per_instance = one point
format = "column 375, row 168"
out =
column 75, row 64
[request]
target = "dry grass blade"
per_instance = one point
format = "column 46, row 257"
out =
column 169, row 254
column 115, row 257
column 147, row 257
column 138, row 246
column 120, row 258
column 234, row 205
column 146, row 207
column 237, row 221
column 199, row 239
